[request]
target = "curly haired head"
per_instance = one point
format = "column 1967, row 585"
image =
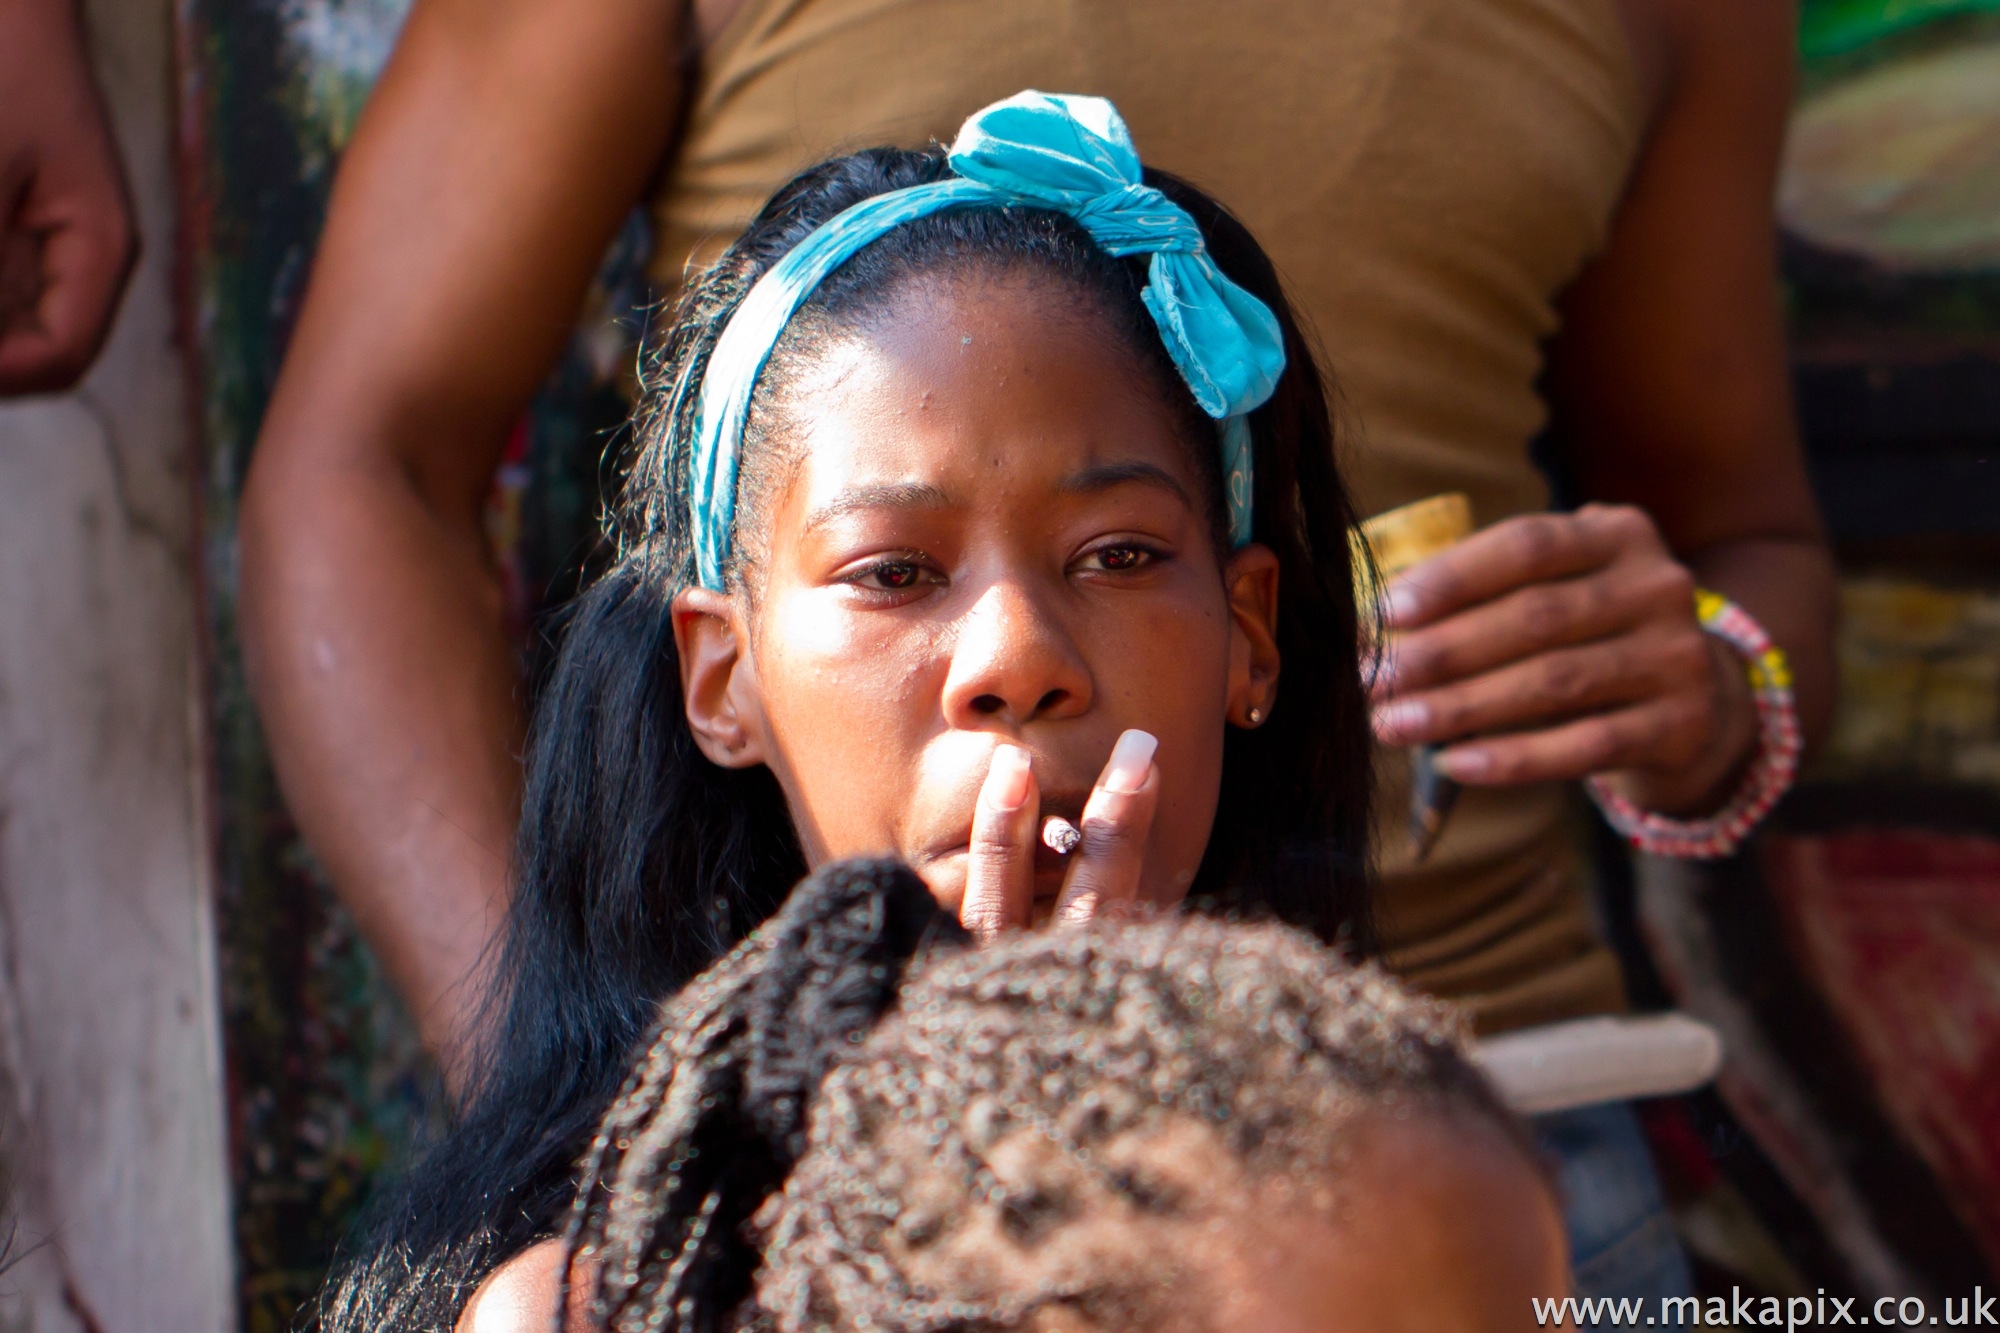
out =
column 992, row 1146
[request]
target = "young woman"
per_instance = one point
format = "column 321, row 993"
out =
column 975, row 489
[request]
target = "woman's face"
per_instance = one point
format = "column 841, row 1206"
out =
column 996, row 534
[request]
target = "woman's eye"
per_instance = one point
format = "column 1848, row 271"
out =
column 892, row 575
column 1120, row 559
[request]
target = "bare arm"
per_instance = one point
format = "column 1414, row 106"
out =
column 1553, row 646
column 1672, row 367
column 501, row 149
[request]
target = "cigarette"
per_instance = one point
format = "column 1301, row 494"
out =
column 1059, row 835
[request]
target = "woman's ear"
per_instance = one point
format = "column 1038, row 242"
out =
column 1251, row 578
column 724, row 709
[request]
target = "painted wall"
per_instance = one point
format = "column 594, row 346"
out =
column 1864, row 946
column 110, row 1062
column 1891, row 208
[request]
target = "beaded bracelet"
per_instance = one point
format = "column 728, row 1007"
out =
column 1771, row 773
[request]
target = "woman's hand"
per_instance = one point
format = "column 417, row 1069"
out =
column 1554, row 646
column 67, row 243
column 1102, row 871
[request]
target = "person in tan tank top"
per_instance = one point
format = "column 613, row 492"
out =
column 1488, row 210
column 1431, row 272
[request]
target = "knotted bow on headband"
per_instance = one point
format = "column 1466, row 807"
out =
column 1057, row 151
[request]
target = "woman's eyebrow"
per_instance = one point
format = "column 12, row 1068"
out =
column 881, row 495
column 1092, row 480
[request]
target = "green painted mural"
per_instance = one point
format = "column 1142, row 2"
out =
column 1891, row 191
column 1829, row 29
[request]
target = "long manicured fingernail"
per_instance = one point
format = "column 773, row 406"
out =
column 1463, row 765
column 1006, row 786
column 1131, row 761
column 1395, row 720
column 1398, row 604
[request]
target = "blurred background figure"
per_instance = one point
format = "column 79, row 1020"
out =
column 67, row 238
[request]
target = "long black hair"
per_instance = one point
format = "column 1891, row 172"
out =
column 640, row 863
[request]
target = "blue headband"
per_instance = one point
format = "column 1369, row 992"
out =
column 1042, row 150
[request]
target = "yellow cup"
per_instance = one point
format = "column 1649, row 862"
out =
column 1402, row 537
column 1396, row 541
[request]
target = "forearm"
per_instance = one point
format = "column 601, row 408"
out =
column 372, row 620
column 498, row 154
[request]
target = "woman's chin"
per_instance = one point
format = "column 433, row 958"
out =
column 943, row 876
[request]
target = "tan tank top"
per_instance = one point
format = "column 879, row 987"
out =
column 1428, row 175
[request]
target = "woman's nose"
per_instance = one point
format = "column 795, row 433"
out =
column 1013, row 661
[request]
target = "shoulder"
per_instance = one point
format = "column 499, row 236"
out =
column 1748, row 45
column 1744, row 46
column 519, row 1296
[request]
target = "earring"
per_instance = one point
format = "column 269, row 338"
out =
column 1255, row 715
